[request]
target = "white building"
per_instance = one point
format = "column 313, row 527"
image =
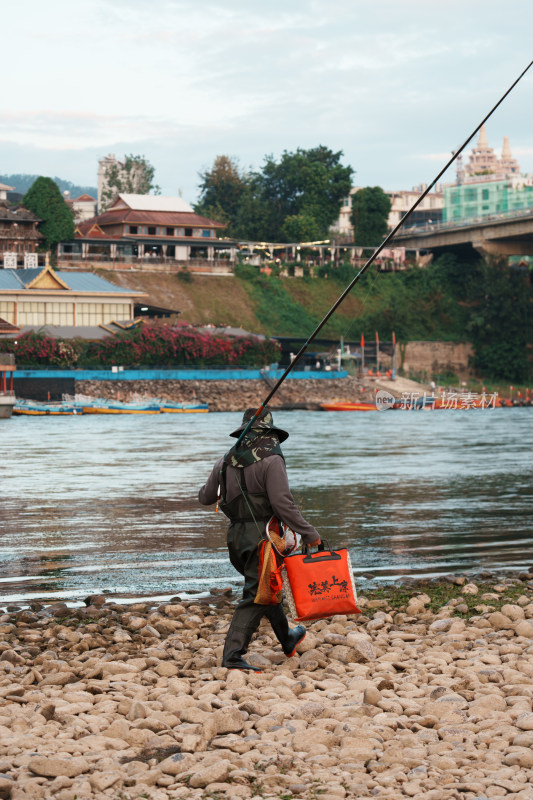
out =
column 4, row 189
column 429, row 210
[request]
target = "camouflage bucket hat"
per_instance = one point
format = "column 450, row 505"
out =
column 264, row 422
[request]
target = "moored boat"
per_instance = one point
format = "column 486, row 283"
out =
column 345, row 405
column 184, row 408
column 30, row 408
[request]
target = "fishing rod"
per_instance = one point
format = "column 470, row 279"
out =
column 373, row 257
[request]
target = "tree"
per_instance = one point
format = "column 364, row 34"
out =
column 221, row 190
column 308, row 184
column 500, row 325
column 370, row 211
column 46, row 201
column 133, row 176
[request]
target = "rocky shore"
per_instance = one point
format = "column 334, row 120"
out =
column 428, row 694
column 233, row 395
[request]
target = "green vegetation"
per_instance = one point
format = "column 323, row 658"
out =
column 370, row 212
column 294, row 199
column 487, row 303
column 441, row 592
column 134, row 176
column 45, row 200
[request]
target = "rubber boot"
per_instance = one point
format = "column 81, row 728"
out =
column 288, row 638
column 235, row 647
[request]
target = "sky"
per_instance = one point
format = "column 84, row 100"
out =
column 395, row 85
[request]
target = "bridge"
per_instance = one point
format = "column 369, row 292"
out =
column 509, row 234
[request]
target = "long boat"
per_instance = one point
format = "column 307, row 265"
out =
column 152, row 407
column 33, row 408
column 184, row 408
column 120, row 408
column 345, row 405
column 36, row 409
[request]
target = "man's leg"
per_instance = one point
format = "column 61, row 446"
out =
column 244, row 555
column 289, row 639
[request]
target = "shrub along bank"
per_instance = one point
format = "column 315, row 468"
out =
column 151, row 344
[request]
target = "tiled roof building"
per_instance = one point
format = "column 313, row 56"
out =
column 18, row 232
column 45, row 296
column 140, row 228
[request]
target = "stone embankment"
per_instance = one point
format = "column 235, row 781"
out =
column 232, row 395
column 426, row 695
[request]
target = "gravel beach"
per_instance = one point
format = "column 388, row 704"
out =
column 428, row 695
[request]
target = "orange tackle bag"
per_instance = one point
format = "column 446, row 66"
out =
column 321, row 584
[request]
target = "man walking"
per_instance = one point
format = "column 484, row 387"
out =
column 251, row 486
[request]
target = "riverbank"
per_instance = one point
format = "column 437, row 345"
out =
column 232, row 395
column 427, row 695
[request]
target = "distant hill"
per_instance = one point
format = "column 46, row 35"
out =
column 22, row 183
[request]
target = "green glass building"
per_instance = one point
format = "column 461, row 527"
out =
column 486, row 198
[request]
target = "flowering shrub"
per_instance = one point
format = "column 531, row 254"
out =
column 154, row 344
column 151, row 344
column 35, row 349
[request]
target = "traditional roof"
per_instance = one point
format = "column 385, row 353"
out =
column 150, row 202
column 5, row 188
column 7, row 327
column 185, row 219
column 89, row 229
column 48, row 278
column 16, row 215
column 84, row 198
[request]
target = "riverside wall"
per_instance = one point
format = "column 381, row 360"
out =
column 231, row 395
column 432, row 358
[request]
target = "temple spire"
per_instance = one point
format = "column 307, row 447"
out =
column 482, row 140
column 506, row 150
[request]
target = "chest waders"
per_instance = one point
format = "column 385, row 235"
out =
column 248, row 514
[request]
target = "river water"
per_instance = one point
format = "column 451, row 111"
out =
column 96, row 504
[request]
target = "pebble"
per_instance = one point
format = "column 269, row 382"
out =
column 133, row 702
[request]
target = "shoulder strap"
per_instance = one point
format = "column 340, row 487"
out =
column 241, row 480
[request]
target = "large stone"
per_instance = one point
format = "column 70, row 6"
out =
column 213, row 773
column 362, row 650
column 524, row 739
column 513, row 612
column 174, row 705
column 441, row 625
column 500, row 621
column 116, row 668
column 341, row 653
column 100, row 781
column 309, row 643
column 521, row 757
column 174, row 611
column 372, row 696
column 524, row 628
column 228, row 720
column 166, row 669
column 57, row 679
column 309, row 711
column 118, row 729
column 177, row 764
column 6, row 787
column 53, row 767
column 525, row 721
column 487, row 703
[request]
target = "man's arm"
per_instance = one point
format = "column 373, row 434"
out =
column 208, row 494
column 282, row 501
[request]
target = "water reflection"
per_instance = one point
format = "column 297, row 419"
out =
column 96, row 504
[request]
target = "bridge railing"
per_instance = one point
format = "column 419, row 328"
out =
column 433, row 227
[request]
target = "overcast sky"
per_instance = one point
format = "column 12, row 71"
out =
column 395, row 85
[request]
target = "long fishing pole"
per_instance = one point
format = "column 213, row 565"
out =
column 373, row 257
